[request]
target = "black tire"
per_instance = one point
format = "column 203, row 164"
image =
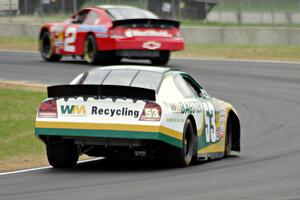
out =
column 46, row 48
column 93, row 56
column 228, row 139
column 163, row 59
column 63, row 154
column 181, row 157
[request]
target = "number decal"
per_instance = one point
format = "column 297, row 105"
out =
column 151, row 113
column 210, row 122
column 70, row 38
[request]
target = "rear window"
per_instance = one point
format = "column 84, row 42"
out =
column 129, row 13
column 93, row 77
column 150, row 80
column 134, row 78
column 120, row 77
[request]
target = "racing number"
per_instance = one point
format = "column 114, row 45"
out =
column 210, row 122
column 151, row 113
column 70, row 38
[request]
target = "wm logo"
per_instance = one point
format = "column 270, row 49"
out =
column 74, row 109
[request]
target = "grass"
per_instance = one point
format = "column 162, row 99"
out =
column 249, row 52
column 201, row 23
column 20, row 44
column 257, row 6
column 271, row 52
column 18, row 145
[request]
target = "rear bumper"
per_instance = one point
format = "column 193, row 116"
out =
column 129, row 132
column 138, row 43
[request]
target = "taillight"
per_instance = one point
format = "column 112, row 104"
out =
column 151, row 112
column 48, row 109
column 177, row 34
column 117, row 33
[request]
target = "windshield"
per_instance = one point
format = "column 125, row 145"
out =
column 129, row 13
column 124, row 77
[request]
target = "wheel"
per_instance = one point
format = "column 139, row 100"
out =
column 90, row 50
column 181, row 157
column 228, row 139
column 63, row 154
column 93, row 56
column 163, row 58
column 46, row 49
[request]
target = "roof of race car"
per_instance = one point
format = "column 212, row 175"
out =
column 135, row 67
column 113, row 6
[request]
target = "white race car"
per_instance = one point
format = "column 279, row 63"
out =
column 123, row 111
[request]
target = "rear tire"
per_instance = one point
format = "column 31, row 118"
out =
column 46, row 48
column 93, row 56
column 163, row 59
column 181, row 157
column 228, row 139
column 63, row 154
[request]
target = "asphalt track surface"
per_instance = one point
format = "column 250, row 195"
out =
column 267, row 98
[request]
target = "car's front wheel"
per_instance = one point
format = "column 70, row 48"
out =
column 228, row 139
column 46, row 48
column 62, row 154
column 162, row 59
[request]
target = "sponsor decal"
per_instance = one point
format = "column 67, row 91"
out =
column 81, row 110
column 58, row 38
column 152, row 45
column 220, row 121
column 56, row 28
column 174, row 120
column 115, row 112
column 72, row 109
column 186, row 108
column 58, row 43
column 147, row 33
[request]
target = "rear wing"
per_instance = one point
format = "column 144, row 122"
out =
column 147, row 23
column 113, row 91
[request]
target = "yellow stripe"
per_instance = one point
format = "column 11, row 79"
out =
column 170, row 132
column 116, row 127
column 214, row 148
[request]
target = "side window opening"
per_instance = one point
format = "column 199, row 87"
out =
column 92, row 18
column 196, row 88
column 80, row 17
column 183, row 87
column 193, row 86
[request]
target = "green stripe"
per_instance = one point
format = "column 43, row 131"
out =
column 110, row 134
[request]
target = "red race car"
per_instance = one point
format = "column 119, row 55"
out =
column 106, row 34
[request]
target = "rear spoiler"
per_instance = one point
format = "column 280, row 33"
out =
column 114, row 91
column 146, row 23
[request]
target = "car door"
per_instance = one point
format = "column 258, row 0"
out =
column 209, row 135
column 73, row 35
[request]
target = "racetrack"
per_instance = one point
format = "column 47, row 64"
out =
column 267, row 98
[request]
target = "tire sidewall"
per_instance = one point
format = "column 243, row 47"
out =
column 62, row 154
column 45, row 55
column 228, row 139
column 90, row 40
column 163, row 58
column 188, row 131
